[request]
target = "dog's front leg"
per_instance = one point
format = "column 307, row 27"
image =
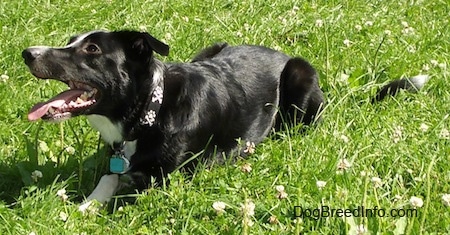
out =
column 104, row 191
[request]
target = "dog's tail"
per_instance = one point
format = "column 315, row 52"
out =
column 410, row 84
column 301, row 99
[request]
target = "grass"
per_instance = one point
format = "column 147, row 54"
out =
column 355, row 45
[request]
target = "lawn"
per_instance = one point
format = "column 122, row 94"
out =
column 390, row 159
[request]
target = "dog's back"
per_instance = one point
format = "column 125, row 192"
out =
column 235, row 93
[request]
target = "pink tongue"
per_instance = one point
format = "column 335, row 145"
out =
column 40, row 109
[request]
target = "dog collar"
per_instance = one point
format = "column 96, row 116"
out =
column 149, row 116
column 149, row 110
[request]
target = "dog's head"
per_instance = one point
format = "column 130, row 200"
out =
column 104, row 71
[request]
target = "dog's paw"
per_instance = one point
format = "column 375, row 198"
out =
column 90, row 207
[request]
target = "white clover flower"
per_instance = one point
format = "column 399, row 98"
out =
column 424, row 127
column 409, row 30
column 273, row 220
column 36, row 175
column 416, row 201
column 347, row 42
column 368, row 23
column 442, row 65
column 444, row 134
column 345, row 138
column 405, row 24
column 358, row 27
column 58, row 143
column 411, row 49
column 426, row 67
column 246, row 27
column 143, row 28
column 364, row 173
column 63, row 216
column 377, row 182
column 321, row 184
column 279, row 188
column 62, row 194
column 281, row 193
column 434, row 62
column 4, row 77
column 168, row 36
column 248, row 208
column 70, row 150
column 319, row 23
column 219, row 207
column 343, row 164
column 360, row 229
column 246, row 168
column 446, row 199
column 344, row 78
column 249, row 147
column 387, row 32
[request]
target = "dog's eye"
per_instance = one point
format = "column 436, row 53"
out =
column 92, row 48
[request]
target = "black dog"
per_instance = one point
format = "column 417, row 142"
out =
column 156, row 116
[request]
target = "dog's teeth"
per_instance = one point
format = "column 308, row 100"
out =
column 72, row 104
column 84, row 96
column 80, row 100
column 51, row 110
column 92, row 92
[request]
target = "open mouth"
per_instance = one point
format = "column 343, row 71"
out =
column 67, row 104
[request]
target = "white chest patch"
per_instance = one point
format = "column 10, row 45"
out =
column 110, row 132
column 129, row 148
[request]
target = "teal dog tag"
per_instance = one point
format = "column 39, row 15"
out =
column 117, row 164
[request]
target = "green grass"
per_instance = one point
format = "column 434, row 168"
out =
column 384, row 140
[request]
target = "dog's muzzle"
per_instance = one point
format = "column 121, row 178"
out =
column 32, row 53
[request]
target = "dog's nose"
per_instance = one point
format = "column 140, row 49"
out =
column 30, row 54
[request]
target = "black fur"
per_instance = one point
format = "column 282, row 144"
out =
column 226, row 93
column 411, row 84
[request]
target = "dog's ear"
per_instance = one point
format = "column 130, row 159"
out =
column 146, row 41
column 142, row 44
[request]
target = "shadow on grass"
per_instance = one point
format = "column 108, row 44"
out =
column 80, row 177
